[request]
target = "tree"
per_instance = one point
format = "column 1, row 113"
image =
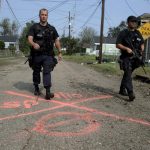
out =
column 87, row 35
column 2, row 45
column 23, row 43
column 113, row 32
column 14, row 28
column 6, row 27
column 71, row 45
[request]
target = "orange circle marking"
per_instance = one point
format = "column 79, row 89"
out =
column 43, row 127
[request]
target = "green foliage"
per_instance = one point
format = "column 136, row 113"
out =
column 2, row 45
column 5, row 26
column 71, row 45
column 87, row 35
column 23, row 43
column 14, row 28
column 8, row 28
column 11, row 47
column 113, row 32
column 106, row 68
column 80, row 59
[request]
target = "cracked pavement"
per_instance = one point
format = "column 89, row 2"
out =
column 86, row 114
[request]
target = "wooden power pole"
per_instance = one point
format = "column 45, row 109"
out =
column 69, row 25
column 101, row 32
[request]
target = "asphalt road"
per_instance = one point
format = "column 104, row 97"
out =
column 86, row 113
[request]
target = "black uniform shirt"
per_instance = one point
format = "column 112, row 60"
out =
column 131, row 39
column 37, row 31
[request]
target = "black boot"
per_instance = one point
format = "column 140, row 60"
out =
column 123, row 92
column 36, row 90
column 131, row 96
column 49, row 95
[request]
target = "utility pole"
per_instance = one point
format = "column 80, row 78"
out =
column 69, row 25
column 101, row 32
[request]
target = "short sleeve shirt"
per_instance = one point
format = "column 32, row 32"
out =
column 131, row 39
column 37, row 28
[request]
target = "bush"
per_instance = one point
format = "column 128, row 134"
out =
column 11, row 47
column 2, row 45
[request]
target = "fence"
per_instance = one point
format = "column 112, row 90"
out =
column 9, row 53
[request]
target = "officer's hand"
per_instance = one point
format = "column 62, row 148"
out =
column 129, row 50
column 141, row 52
column 59, row 57
column 36, row 46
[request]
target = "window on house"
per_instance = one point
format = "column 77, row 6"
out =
column 97, row 47
column 11, row 44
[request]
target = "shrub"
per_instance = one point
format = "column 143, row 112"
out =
column 2, row 45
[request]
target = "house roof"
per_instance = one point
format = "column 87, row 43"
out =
column 145, row 16
column 107, row 40
column 8, row 38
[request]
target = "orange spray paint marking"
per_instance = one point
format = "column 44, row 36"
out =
column 14, row 104
column 73, row 105
column 43, row 127
column 30, row 103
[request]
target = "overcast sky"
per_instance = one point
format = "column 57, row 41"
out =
column 83, row 12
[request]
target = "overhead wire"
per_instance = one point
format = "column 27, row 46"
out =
column 90, row 17
column 130, row 7
column 13, row 13
column 50, row 10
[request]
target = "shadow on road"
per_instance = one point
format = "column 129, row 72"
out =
column 99, row 89
column 24, row 86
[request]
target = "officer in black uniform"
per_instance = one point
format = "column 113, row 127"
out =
column 42, row 37
column 130, row 42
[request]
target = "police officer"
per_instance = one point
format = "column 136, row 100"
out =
column 42, row 37
column 130, row 42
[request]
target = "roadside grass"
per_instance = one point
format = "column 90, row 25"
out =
column 111, row 68
column 140, row 71
column 8, row 61
column 107, row 68
column 80, row 59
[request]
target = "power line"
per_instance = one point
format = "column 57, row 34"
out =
column 107, row 21
column 12, row 12
column 130, row 7
column 90, row 17
column 109, row 18
column 50, row 10
column 86, row 9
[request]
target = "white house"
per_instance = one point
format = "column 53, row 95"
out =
column 108, row 48
column 9, row 40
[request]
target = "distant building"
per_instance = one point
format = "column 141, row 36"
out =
column 9, row 41
column 144, row 18
column 108, row 48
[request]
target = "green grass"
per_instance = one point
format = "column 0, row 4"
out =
column 105, row 68
column 80, row 59
column 140, row 71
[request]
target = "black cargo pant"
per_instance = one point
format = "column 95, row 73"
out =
column 44, row 63
column 128, row 66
